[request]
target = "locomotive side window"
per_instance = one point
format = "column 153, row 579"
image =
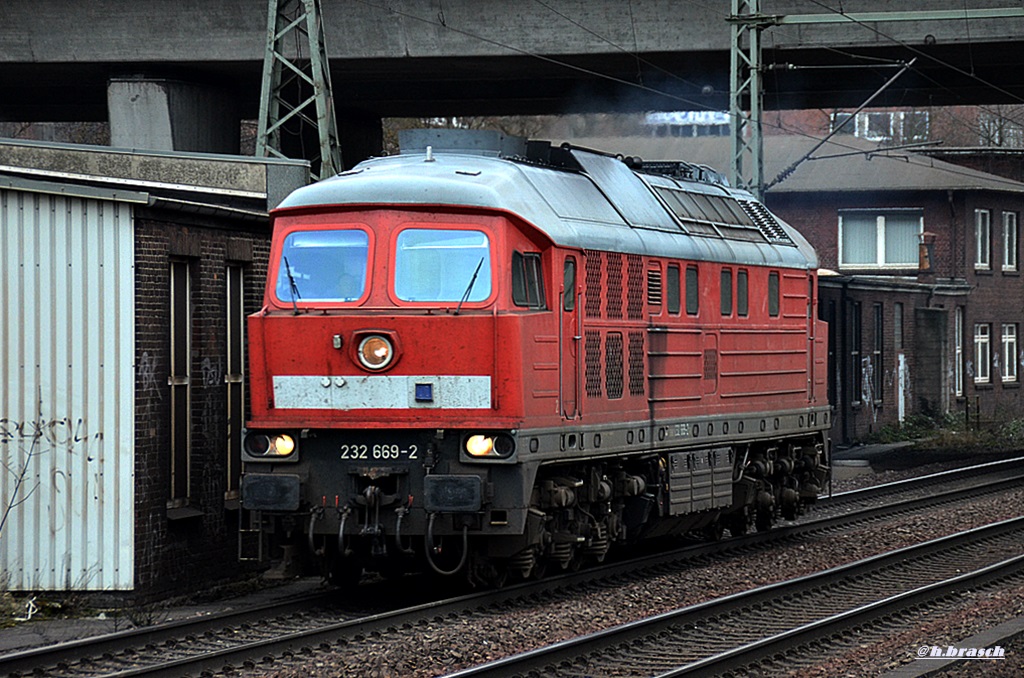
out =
column 527, row 281
column 726, row 291
column 742, row 300
column 672, row 289
column 442, row 265
column 569, row 285
column 773, row 294
column 323, row 265
column 692, row 291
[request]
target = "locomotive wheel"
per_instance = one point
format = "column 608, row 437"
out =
column 763, row 521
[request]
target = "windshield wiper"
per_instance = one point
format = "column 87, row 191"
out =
column 469, row 288
column 292, row 287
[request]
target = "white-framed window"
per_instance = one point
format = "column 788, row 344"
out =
column 958, row 349
column 180, row 382
column 858, row 382
column 999, row 130
column 234, row 377
column 982, row 353
column 899, row 126
column 982, row 239
column 1010, row 241
column 880, row 238
column 843, row 123
column 1009, row 358
column 878, row 373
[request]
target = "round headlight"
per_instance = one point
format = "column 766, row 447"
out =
column 490, row 446
column 375, row 352
column 479, row 445
column 260, row 445
column 257, row 444
column 281, row 445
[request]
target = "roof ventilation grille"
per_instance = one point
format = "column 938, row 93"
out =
column 769, row 225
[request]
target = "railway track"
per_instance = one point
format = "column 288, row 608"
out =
column 238, row 638
column 730, row 633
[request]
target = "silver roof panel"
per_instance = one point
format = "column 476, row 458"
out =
column 605, row 207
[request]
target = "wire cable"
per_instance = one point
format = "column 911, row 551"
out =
column 447, row 25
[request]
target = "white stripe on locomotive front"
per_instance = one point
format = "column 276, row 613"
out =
column 380, row 392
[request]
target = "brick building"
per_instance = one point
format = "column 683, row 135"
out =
column 126, row 280
column 906, row 336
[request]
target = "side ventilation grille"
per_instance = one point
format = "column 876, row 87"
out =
column 636, row 363
column 613, row 365
column 634, row 287
column 595, row 262
column 592, row 350
column 613, row 307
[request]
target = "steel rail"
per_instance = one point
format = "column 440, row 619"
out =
column 545, row 660
column 823, row 628
column 29, row 661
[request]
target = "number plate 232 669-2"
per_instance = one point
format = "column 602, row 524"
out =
column 379, row 452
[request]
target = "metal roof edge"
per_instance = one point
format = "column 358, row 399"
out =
column 225, row 178
column 894, row 283
column 195, row 207
column 116, row 150
column 16, row 183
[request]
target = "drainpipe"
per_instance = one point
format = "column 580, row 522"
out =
column 844, row 358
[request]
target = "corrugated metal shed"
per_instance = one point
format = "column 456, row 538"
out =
column 66, row 387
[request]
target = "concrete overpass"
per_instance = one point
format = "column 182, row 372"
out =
column 465, row 57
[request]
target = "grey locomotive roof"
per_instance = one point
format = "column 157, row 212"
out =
column 606, row 206
column 843, row 165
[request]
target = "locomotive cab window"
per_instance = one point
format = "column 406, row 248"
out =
column 528, row 281
column 452, row 265
column 323, row 266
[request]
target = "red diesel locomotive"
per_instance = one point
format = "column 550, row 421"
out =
column 489, row 356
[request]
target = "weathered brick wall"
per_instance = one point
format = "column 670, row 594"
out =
column 177, row 555
column 855, row 421
column 995, row 297
column 817, row 218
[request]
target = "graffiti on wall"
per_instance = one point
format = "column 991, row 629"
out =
column 22, row 442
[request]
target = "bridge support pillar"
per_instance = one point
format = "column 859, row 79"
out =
column 171, row 115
